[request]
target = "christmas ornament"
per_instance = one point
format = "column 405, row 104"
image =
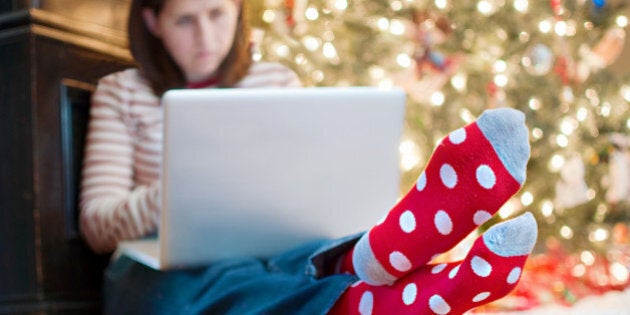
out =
column 538, row 60
column 571, row 189
column 605, row 53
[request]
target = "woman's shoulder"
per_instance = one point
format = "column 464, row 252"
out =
column 129, row 79
column 269, row 74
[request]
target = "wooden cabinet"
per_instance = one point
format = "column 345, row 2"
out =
column 49, row 65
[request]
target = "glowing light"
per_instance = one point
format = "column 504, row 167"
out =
column 409, row 155
column 556, row 163
column 269, row 16
column 582, row 114
column 382, row 24
column 625, row 92
column 619, row 272
column 311, row 14
column 587, row 258
column 547, row 208
column 441, row 4
column 377, row 72
column 508, row 209
column 318, row 76
column 459, row 82
column 499, row 66
column 329, row 50
column 567, row 126
column 622, row 21
column 282, row 50
column 561, row 28
column 606, row 109
column 534, row 103
column 397, row 27
column 437, row 99
column 396, row 5
column 562, row 141
column 404, row 60
column 486, row 7
column 578, row 271
column 341, row 4
column 527, row 198
column 599, row 235
column 566, row 232
column 501, row 80
column 521, row 5
column 311, row 43
column 537, row 133
column 300, row 59
column 545, row 26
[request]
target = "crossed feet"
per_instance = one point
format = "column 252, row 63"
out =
column 470, row 175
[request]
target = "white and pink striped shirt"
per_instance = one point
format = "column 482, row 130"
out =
column 119, row 197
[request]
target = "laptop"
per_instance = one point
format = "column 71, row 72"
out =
column 255, row 172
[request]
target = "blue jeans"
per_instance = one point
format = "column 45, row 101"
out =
column 294, row 282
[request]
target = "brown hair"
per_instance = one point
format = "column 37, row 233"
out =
column 157, row 66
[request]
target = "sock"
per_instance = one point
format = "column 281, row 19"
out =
column 490, row 271
column 470, row 175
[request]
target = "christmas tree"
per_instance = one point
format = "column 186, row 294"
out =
column 549, row 59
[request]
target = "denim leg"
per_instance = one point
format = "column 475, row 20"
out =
column 294, row 282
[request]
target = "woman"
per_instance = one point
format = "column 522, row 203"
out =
column 205, row 44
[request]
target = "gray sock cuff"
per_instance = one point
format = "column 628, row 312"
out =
column 506, row 130
column 515, row 237
column 367, row 267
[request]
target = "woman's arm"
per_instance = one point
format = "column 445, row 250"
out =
column 113, row 207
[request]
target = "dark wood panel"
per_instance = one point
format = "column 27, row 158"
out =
column 65, row 77
column 48, row 74
column 18, row 278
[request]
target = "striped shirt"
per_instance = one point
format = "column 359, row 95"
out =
column 119, row 197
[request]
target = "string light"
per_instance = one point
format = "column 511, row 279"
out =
column 441, row 4
column 341, row 5
column 521, row 5
column 545, row 26
column 459, row 82
column 437, row 99
column 269, row 16
column 546, row 208
column 622, row 21
column 311, row 14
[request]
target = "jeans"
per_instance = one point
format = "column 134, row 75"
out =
column 294, row 282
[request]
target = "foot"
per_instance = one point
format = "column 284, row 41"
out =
column 490, row 271
column 470, row 175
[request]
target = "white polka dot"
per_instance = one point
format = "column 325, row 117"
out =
column 480, row 266
column 422, row 182
column 356, row 284
column 486, row 177
column 438, row 268
column 448, row 176
column 438, row 305
column 514, row 275
column 409, row 293
column 366, row 304
column 453, row 272
column 481, row 296
column 458, row 136
column 443, row 222
column 481, row 216
column 407, row 221
column 399, row 261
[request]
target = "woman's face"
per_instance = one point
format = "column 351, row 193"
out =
column 198, row 34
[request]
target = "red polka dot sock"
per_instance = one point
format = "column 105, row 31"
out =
column 470, row 175
column 490, row 271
